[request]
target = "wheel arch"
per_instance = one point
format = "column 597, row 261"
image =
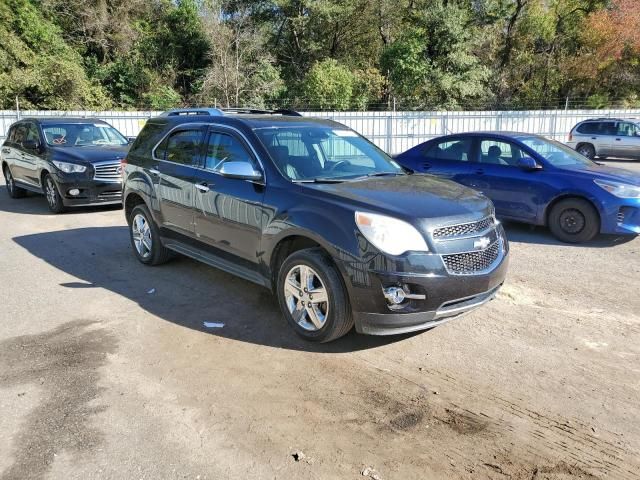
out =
column 293, row 242
column 131, row 201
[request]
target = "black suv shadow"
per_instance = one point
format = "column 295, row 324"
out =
column 523, row 233
column 35, row 204
column 185, row 292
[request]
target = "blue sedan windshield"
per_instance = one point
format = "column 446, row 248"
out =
column 556, row 153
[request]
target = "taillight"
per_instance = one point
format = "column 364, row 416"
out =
column 571, row 136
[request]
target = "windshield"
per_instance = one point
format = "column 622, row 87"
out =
column 324, row 153
column 556, row 153
column 77, row 134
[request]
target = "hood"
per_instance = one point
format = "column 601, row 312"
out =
column 90, row 154
column 410, row 196
column 603, row 172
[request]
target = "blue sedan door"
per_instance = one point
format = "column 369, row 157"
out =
column 517, row 193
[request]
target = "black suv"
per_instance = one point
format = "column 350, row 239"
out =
column 73, row 161
column 316, row 213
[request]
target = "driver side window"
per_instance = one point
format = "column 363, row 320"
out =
column 222, row 148
column 627, row 129
column 500, row 153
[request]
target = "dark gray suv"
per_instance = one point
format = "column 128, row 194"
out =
column 313, row 211
column 606, row 137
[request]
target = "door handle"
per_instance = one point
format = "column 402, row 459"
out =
column 618, row 139
column 426, row 166
column 480, row 171
column 203, row 187
column 594, row 138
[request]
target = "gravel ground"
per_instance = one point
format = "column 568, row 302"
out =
column 106, row 369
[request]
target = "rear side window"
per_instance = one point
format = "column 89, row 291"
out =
column 182, row 147
column 452, row 150
column 592, row 128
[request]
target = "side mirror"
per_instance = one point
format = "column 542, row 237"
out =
column 31, row 145
column 240, row 170
column 528, row 163
column 130, row 140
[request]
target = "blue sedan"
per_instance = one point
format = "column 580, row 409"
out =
column 535, row 180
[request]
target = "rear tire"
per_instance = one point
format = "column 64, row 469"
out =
column 13, row 190
column 54, row 200
column 314, row 319
column 587, row 150
column 574, row 220
column 145, row 237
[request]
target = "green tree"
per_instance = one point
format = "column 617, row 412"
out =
column 329, row 85
column 433, row 63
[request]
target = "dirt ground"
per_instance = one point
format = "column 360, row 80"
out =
column 106, row 369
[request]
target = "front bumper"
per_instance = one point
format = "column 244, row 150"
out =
column 621, row 217
column 391, row 324
column 439, row 294
column 92, row 192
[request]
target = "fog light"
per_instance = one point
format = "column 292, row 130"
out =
column 74, row 192
column 394, row 295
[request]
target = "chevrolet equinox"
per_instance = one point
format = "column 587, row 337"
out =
column 315, row 212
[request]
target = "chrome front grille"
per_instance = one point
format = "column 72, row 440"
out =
column 463, row 229
column 108, row 172
column 470, row 263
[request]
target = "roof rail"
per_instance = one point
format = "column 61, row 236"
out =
column 224, row 111
column 255, row 111
column 192, row 111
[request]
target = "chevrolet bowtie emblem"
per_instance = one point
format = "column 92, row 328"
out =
column 481, row 243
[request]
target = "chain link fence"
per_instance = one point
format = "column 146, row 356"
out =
column 393, row 131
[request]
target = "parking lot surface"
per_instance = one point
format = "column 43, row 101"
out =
column 107, row 369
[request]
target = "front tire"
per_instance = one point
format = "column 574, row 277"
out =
column 574, row 220
column 54, row 200
column 13, row 190
column 313, row 297
column 145, row 238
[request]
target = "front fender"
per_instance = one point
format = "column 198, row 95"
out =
column 330, row 230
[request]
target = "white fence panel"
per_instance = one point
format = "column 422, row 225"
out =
column 394, row 132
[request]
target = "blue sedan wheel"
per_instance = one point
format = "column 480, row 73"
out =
column 574, row 220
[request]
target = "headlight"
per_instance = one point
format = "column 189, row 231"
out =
column 621, row 190
column 389, row 234
column 69, row 167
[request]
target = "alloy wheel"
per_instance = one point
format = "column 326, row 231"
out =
column 52, row 194
column 141, row 233
column 9, row 180
column 306, row 297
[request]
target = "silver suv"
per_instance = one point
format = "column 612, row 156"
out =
column 607, row 137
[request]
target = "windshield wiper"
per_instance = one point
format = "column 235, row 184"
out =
column 320, row 180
